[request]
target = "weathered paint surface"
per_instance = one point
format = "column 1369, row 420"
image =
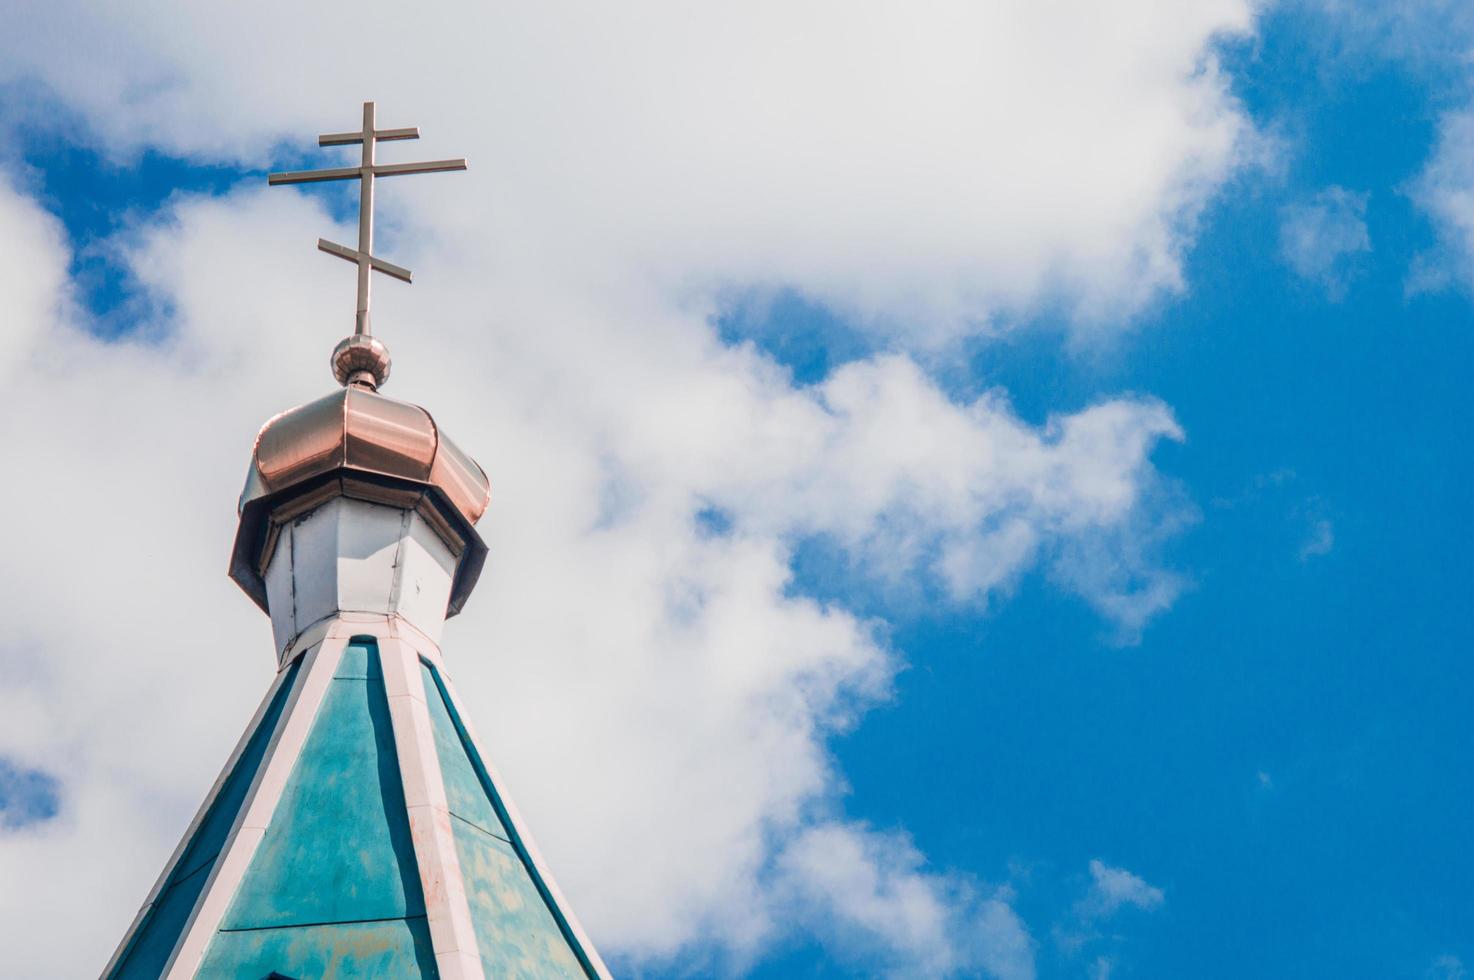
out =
column 396, row 948
column 160, row 931
column 517, row 930
column 464, row 795
column 333, row 889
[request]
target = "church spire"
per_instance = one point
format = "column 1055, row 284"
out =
column 359, row 829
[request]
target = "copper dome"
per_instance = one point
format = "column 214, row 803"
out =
column 358, row 443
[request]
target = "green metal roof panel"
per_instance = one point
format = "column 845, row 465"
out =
column 515, row 931
column 392, row 948
column 463, row 792
column 337, row 855
column 520, row 931
column 160, row 930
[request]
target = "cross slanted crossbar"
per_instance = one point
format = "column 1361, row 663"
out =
column 365, row 172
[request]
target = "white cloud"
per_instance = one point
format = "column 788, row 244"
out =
column 1446, row 967
column 1321, row 540
column 1084, row 931
column 886, row 910
column 1321, row 237
column 33, row 274
column 1112, row 889
column 1445, row 191
column 925, row 171
column 1425, row 36
column 615, row 651
column 929, row 168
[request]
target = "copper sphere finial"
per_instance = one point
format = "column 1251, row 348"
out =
column 361, row 360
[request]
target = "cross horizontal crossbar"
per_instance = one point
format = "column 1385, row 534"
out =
column 355, row 256
column 308, row 176
column 429, row 167
column 379, row 170
column 382, row 135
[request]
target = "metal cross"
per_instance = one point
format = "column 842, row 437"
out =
column 363, row 256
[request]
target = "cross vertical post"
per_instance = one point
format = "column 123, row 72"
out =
column 360, row 359
column 361, row 323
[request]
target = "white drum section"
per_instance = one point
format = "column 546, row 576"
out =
column 358, row 557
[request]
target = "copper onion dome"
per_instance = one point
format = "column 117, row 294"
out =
column 357, row 443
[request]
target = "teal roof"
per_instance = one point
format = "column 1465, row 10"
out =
column 333, row 889
column 519, row 928
column 164, row 921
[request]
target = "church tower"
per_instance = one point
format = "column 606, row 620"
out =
column 358, row 829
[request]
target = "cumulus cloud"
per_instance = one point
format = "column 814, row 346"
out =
column 1084, row 931
column 657, row 691
column 1445, row 191
column 884, row 907
column 1426, row 36
column 617, row 651
column 928, row 169
column 1320, row 541
column 1446, row 967
column 32, row 279
column 1321, row 237
column 1112, row 889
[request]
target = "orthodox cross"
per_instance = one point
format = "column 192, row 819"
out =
column 365, row 173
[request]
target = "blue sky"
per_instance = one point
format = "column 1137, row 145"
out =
column 1282, row 752
column 1285, row 751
